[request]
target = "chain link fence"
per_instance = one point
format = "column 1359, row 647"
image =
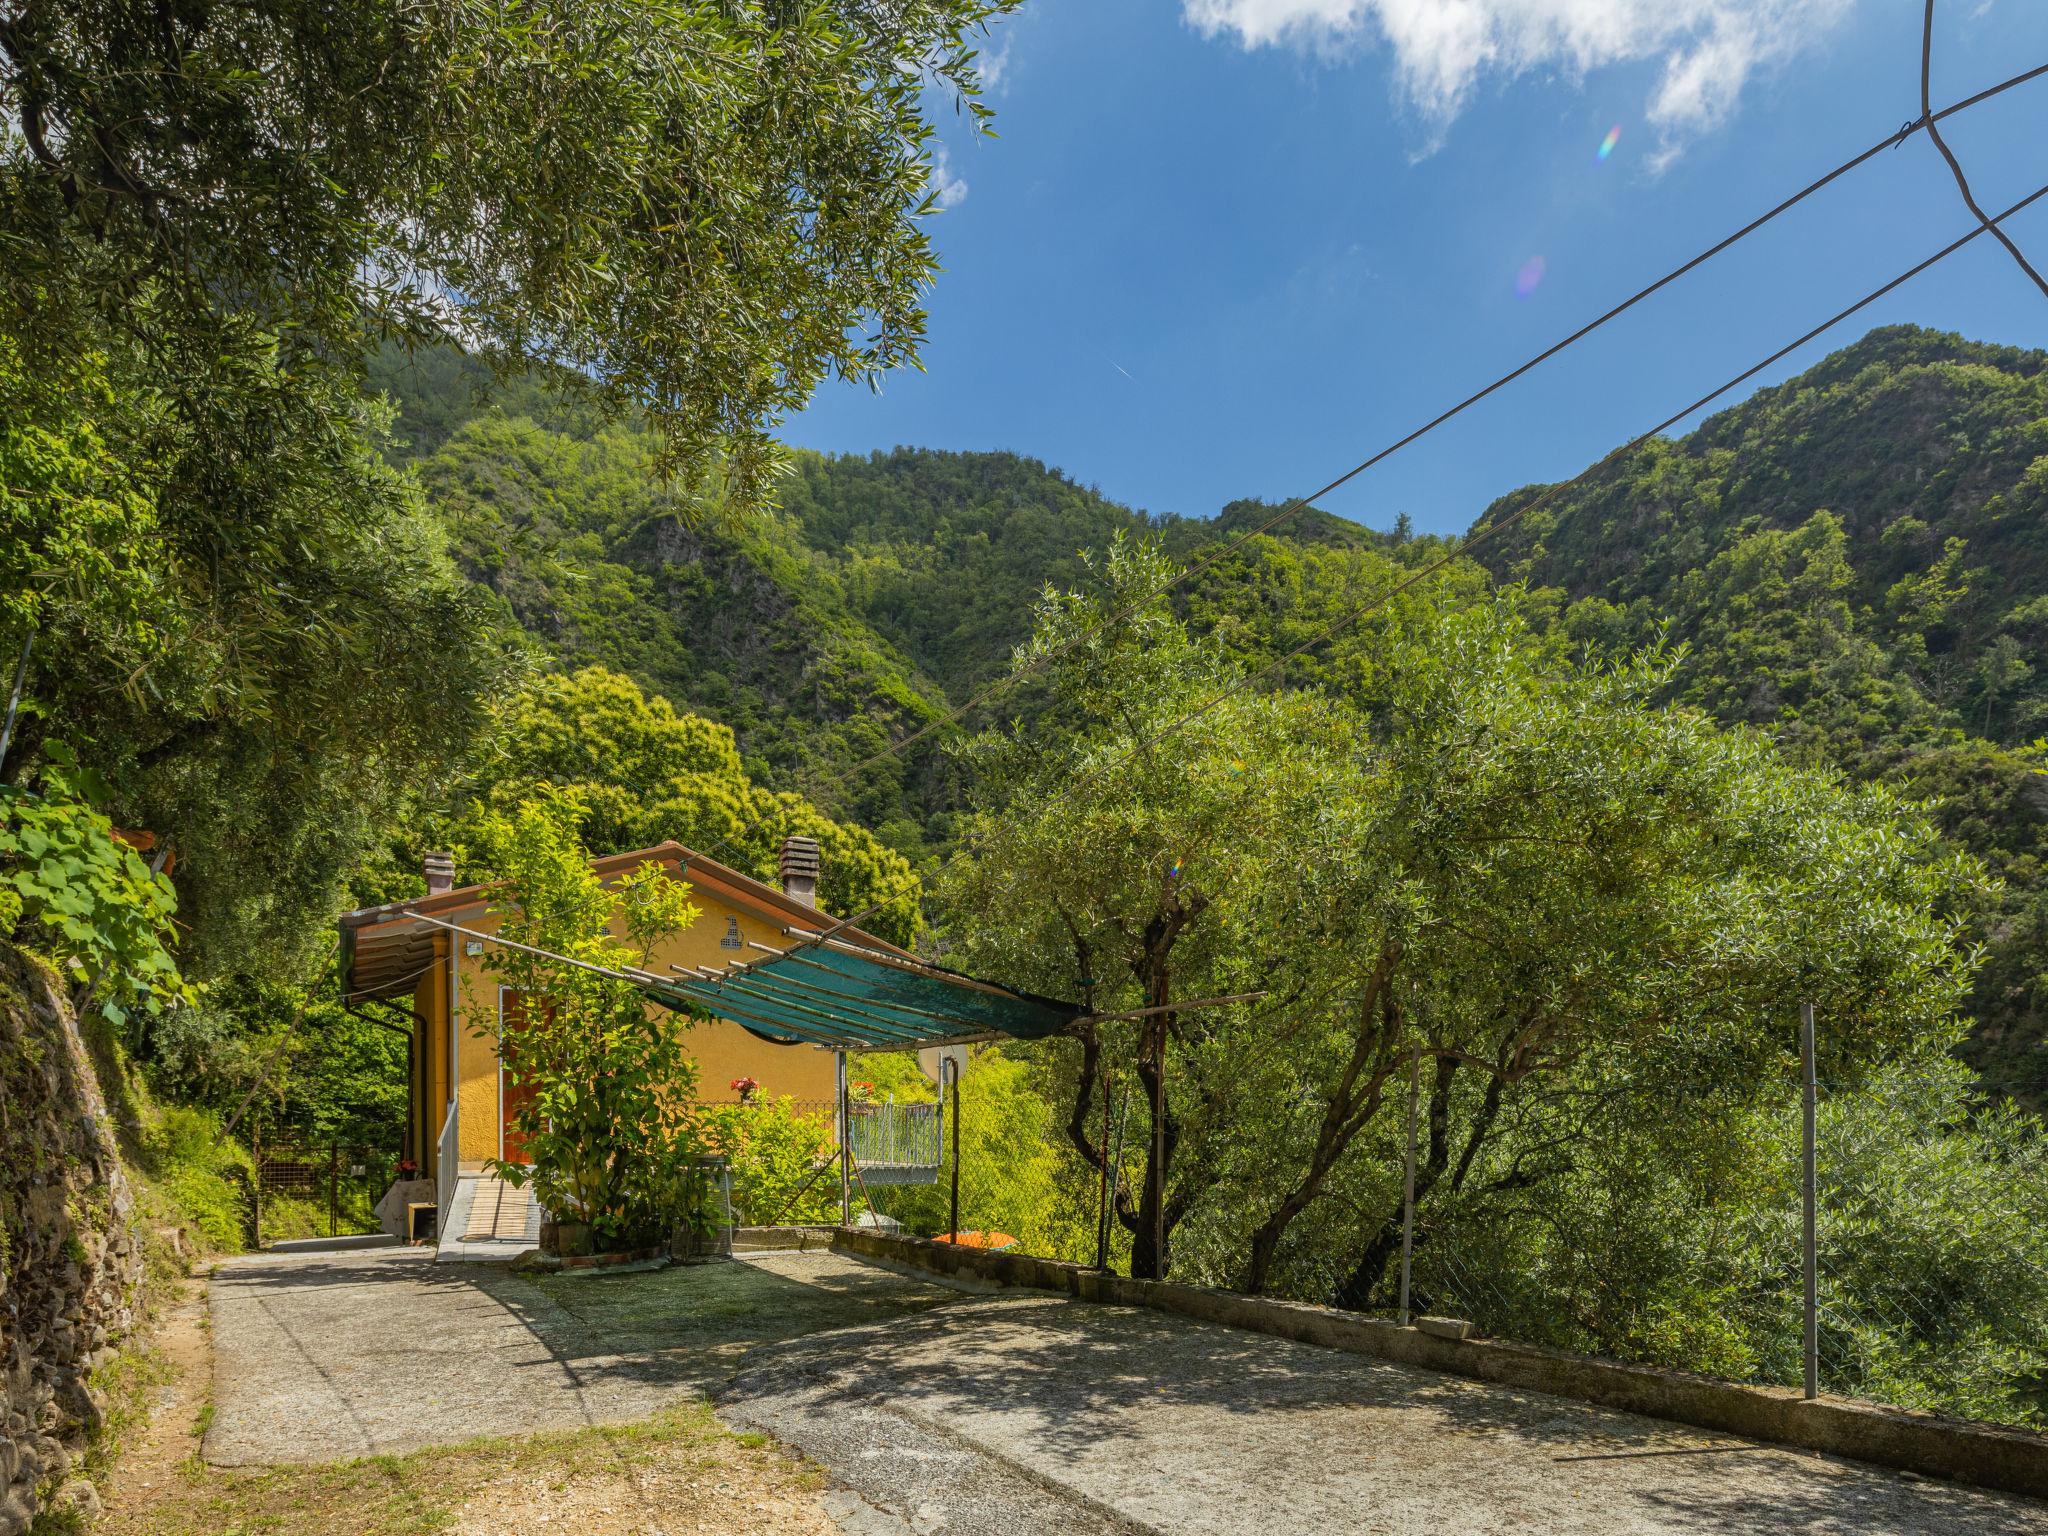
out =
column 1651, row 1216
column 1663, row 1223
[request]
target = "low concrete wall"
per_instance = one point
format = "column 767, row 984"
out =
column 2009, row 1459
column 770, row 1239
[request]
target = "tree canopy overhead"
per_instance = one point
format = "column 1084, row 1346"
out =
column 699, row 210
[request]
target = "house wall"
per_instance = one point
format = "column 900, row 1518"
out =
column 430, row 1003
column 723, row 1051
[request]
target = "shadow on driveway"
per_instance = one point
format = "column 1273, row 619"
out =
column 335, row 1355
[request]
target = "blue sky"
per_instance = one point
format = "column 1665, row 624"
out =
column 1226, row 248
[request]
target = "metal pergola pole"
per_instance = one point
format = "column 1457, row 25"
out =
column 845, row 1147
column 953, row 1213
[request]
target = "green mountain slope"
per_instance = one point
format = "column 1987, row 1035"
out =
column 885, row 589
column 1858, row 562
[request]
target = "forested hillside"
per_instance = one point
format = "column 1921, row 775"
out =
column 1855, row 560
column 1858, row 562
column 888, row 586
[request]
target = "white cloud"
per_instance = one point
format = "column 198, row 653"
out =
column 1443, row 48
column 952, row 189
column 994, row 63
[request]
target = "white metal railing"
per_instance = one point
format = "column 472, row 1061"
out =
column 896, row 1143
column 446, row 1170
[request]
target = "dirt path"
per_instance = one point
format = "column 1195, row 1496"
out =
column 151, row 1463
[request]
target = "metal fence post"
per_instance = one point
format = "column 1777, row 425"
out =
column 256, row 1186
column 333, row 1191
column 1810, row 1254
column 1408, row 1183
column 1102, row 1192
column 1159, row 1157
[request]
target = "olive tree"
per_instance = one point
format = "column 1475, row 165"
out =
column 1115, row 849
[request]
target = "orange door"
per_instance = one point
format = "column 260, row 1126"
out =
column 511, row 1094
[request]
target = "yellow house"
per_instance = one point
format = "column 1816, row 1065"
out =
column 431, row 980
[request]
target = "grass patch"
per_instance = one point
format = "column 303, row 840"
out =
column 425, row 1491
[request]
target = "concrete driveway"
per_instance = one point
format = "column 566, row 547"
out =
column 976, row 1415
column 1138, row 1421
column 320, row 1357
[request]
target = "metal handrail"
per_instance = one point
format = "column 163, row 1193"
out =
column 446, row 1170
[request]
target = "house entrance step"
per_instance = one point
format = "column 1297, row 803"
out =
column 498, row 1211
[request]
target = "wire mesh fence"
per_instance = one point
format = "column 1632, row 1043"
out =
column 1930, row 1206
column 1659, row 1218
column 317, row 1189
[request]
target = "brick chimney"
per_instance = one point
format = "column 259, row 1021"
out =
column 440, row 870
column 799, row 866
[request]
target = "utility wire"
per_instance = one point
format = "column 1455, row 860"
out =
column 1042, row 659
column 1300, row 504
column 1494, row 530
column 1927, row 120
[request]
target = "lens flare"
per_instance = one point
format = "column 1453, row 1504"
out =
column 1607, row 144
column 1530, row 275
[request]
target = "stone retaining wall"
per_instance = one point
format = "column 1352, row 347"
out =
column 70, row 1257
column 1994, row 1457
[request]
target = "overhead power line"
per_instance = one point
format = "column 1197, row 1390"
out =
column 1955, row 166
column 1300, row 504
column 1494, row 530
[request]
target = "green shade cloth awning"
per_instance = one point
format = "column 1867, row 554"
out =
column 838, row 995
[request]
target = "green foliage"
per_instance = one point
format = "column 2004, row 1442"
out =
column 1854, row 561
column 1669, row 1230
column 1515, row 867
column 84, row 895
column 639, row 772
column 775, row 1150
column 589, row 191
column 1013, row 1175
column 204, row 1174
column 295, row 1062
column 270, row 657
column 77, row 523
column 609, row 1119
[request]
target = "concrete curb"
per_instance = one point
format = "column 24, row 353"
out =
column 346, row 1244
column 2013, row 1460
column 781, row 1239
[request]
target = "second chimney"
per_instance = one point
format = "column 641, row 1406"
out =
column 799, row 866
column 440, row 870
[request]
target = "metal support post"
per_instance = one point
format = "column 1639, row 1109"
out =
column 256, row 1186
column 845, row 1146
column 953, row 1211
column 1809, row 1103
column 1408, row 1183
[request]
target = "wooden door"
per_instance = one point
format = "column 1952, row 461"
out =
column 511, row 1094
